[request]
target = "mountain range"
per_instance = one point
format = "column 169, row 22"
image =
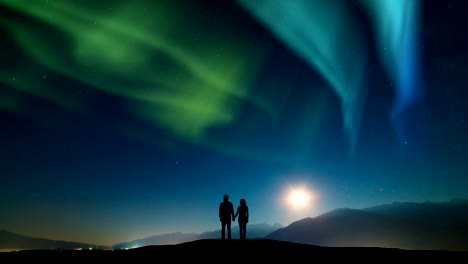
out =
column 415, row 226
column 13, row 241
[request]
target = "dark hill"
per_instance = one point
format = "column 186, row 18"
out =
column 230, row 251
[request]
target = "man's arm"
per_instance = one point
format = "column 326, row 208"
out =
column 235, row 215
column 232, row 210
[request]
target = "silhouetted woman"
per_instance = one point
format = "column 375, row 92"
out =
column 243, row 213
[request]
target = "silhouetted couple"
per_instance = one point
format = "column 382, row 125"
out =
column 226, row 214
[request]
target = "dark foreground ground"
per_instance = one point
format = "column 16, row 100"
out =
column 240, row 251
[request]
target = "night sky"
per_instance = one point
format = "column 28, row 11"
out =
column 126, row 119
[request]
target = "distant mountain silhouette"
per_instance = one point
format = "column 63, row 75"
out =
column 9, row 240
column 418, row 226
column 253, row 231
column 164, row 239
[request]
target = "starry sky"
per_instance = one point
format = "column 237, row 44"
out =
column 126, row 119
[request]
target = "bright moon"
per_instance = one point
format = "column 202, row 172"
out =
column 299, row 198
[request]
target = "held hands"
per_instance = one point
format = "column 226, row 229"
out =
column 233, row 218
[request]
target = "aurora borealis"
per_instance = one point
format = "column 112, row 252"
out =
column 125, row 119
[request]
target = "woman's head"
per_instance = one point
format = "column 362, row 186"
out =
column 242, row 201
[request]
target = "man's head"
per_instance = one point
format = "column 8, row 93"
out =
column 225, row 197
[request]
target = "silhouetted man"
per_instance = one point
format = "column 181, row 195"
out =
column 226, row 213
